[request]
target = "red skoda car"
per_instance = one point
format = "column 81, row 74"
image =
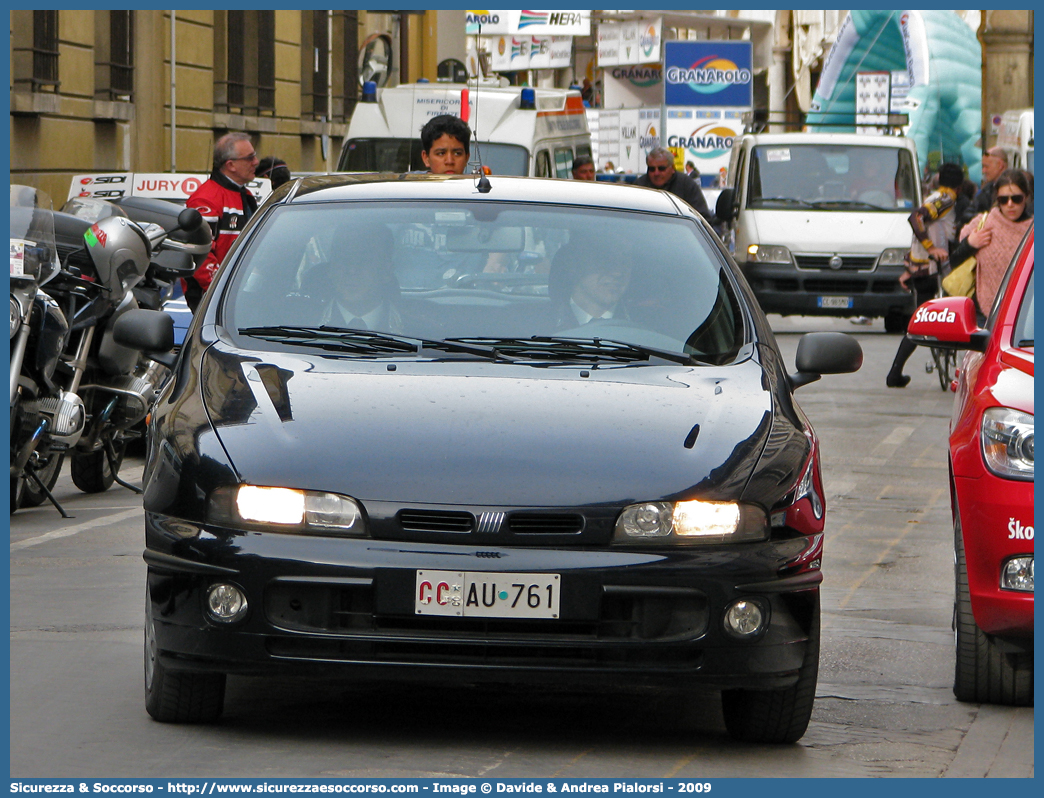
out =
column 991, row 483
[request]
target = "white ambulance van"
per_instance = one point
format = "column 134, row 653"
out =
column 515, row 130
column 1016, row 138
column 820, row 222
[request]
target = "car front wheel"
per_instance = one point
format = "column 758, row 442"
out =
column 984, row 673
column 178, row 696
column 776, row 716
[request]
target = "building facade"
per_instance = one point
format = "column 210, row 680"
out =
column 93, row 90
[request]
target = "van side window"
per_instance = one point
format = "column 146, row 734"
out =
column 563, row 162
column 543, row 164
column 583, row 151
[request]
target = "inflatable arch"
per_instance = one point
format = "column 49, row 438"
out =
column 944, row 61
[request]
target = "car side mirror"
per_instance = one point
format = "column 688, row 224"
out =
column 820, row 353
column 948, row 323
column 724, row 207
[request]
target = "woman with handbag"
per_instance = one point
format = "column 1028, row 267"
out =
column 993, row 242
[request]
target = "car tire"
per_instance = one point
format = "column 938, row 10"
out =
column 896, row 321
column 776, row 716
column 178, row 696
column 984, row 673
column 32, row 496
column 91, row 472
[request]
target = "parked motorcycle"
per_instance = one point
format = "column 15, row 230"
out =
column 119, row 384
column 160, row 290
column 97, row 286
column 46, row 416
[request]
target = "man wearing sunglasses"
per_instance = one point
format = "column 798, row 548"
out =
column 662, row 174
column 994, row 162
column 225, row 203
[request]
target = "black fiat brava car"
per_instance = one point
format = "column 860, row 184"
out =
column 529, row 430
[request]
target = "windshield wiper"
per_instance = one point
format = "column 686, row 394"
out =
column 363, row 342
column 360, row 342
column 847, row 204
column 587, row 350
column 785, row 200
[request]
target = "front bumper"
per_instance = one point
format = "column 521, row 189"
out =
column 785, row 289
column 995, row 514
column 329, row 607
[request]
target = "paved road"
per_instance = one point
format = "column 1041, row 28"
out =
column 884, row 706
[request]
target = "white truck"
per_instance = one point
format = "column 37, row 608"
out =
column 820, row 222
column 515, row 130
column 1015, row 137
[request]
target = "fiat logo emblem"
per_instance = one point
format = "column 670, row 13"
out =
column 835, row 262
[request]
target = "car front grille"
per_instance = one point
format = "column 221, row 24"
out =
column 545, row 523
column 621, row 620
column 436, row 521
column 848, row 262
column 565, row 657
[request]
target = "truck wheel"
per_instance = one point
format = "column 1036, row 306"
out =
column 983, row 672
column 32, row 496
column 178, row 696
column 91, row 472
column 896, row 321
column 776, row 716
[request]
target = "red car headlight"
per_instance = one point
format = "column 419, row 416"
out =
column 1007, row 442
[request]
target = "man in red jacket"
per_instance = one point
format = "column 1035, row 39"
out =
column 225, row 203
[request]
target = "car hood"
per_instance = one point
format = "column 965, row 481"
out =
column 472, row 432
column 831, row 231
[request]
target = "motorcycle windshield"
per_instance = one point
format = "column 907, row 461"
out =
column 33, row 252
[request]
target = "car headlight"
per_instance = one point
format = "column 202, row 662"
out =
column 1007, row 442
column 893, row 257
column 689, row 523
column 767, row 253
column 286, row 510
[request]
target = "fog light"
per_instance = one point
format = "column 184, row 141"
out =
column 226, row 603
column 1018, row 574
column 744, row 618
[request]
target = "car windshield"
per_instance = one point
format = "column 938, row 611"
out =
column 404, row 155
column 832, row 177
column 527, row 280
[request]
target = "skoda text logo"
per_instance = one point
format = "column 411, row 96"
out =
column 945, row 315
column 709, row 75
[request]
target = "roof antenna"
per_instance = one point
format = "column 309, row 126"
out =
column 483, row 185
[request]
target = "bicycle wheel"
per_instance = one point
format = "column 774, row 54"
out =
column 944, row 364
